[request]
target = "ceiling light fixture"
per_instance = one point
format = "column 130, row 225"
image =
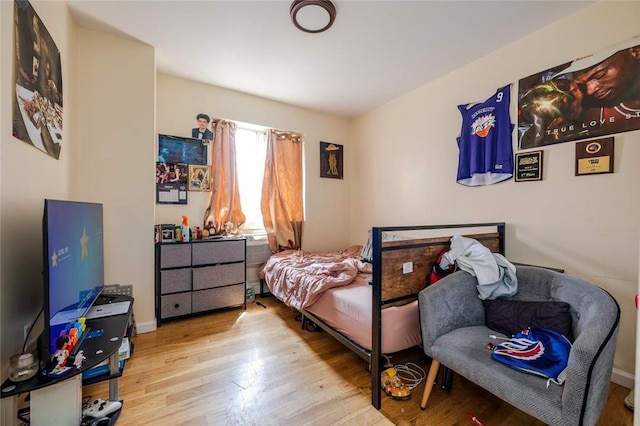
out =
column 317, row 16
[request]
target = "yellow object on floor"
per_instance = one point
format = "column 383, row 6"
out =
column 393, row 386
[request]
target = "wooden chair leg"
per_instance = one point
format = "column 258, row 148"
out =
column 428, row 385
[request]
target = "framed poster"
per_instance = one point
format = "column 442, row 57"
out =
column 529, row 166
column 199, row 178
column 37, row 83
column 594, row 157
column 331, row 160
column 593, row 96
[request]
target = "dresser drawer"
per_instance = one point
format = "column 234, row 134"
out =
column 218, row 275
column 175, row 280
column 175, row 255
column 215, row 298
column 174, row 305
column 218, row 252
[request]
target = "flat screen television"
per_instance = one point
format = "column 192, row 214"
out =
column 73, row 259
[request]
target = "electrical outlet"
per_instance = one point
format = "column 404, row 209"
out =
column 407, row 267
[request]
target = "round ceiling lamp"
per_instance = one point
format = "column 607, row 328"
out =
column 312, row 16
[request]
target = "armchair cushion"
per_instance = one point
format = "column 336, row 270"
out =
column 512, row 316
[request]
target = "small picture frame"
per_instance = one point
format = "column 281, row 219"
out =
column 331, row 160
column 199, row 178
column 167, row 233
column 529, row 166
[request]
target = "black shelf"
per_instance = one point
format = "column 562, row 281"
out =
column 95, row 349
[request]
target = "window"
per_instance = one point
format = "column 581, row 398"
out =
column 250, row 155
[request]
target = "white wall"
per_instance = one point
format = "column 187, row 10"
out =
column 588, row 225
column 114, row 160
column 27, row 177
column 326, row 200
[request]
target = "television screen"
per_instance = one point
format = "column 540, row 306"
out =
column 74, row 259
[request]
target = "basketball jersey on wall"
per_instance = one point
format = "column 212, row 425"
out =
column 484, row 143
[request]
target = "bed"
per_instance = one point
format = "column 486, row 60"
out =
column 370, row 307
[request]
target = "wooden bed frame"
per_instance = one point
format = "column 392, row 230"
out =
column 392, row 286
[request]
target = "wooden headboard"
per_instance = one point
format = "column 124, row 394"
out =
column 391, row 285
column 422, row 254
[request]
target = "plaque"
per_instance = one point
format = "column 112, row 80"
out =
column 528, row 166
column 594, row 157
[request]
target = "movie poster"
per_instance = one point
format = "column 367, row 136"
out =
column 592, row 96
column 37, row 84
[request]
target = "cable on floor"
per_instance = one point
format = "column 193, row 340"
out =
column 411, row 374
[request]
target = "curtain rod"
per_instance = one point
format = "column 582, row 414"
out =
column 256, row 127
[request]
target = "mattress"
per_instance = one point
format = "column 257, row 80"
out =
column 348, row 309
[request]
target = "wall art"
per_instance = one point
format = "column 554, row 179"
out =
column 37, row 85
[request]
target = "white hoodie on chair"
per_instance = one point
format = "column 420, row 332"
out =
column 495, row 274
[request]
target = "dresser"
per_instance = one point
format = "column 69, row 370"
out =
column 199, row 276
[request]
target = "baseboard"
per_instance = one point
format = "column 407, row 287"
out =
column 146, row 327
column 622, row 378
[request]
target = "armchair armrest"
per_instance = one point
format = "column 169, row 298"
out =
column 591, row 357
column 449, row 304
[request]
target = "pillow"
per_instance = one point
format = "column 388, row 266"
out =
column 367, row 249
column 512, row 316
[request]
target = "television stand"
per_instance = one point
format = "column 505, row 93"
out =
column 58, row 400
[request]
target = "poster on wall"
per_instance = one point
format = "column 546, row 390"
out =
column 171, row 183
column 37, row 83
column 331, row 161
column 177, row 149
column 592, row 96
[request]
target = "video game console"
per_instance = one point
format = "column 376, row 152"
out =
column 100, row 408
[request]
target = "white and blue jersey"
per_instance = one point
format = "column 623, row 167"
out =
column 486, row 153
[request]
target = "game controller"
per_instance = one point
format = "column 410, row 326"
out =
column 100, row 407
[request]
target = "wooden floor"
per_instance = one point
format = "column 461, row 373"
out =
column 258, row 367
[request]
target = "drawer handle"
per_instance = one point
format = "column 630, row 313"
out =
column 177, row 305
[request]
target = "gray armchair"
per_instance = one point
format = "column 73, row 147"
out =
column 454, row 335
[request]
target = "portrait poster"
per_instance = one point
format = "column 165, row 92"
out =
column 596, row 95
column 331, row 160
column 37, row 83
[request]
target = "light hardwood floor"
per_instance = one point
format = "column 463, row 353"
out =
column 258, row 367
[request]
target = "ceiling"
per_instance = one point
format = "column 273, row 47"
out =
column 374, row 52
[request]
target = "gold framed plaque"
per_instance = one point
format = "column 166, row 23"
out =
column 529, row 166
column 594, row 157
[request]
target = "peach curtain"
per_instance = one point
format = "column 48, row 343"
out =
column 282, row 202
column 224, row 203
